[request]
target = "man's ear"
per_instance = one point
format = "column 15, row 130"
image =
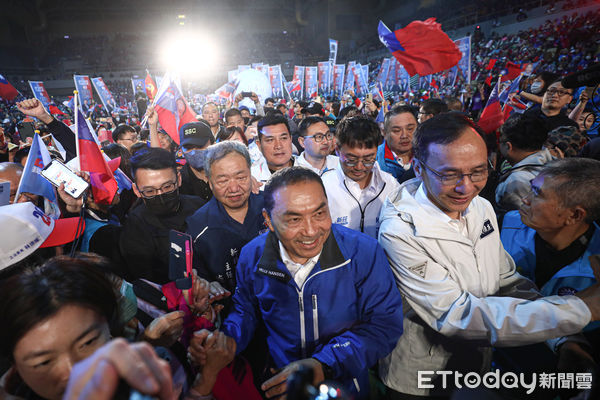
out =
column 418, row 168
column 136, row 190
column 268, row 220
column 577, row 215
column 509, row 146
column 301, row 141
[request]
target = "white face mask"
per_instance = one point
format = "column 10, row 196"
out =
column 536, row 87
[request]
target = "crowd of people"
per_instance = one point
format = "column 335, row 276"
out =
column 334, row 248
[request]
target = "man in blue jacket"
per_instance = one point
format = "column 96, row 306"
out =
column 230, row 219
column 395, row 154
column 326, row 293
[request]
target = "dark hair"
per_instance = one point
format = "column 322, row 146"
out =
column 227, row 133
column 549, row 78
column 144, row 134
column 358, row 131
column 307, row 122
column 397, row 110
column 115, row 150
column 434, row 106
column 286, row 177
column 335, row 108
column 453, row 103
column 269, row 99
column 524, row 133
column 253, row 119
column 280, row 105
column 444, row 128
column 121, row 130
column 271, row 119
column 232, row 112
column 38, row 293
column 576, row 182
column 153, row 158
column 347, row 110
column 135, row 148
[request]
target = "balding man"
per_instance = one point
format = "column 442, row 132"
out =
column 11, row 172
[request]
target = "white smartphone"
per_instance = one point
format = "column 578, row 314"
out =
column 56, row 172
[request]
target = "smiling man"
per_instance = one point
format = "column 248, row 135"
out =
column 275, row 144
column 395, row 154
column 465, row 296
column 325, row 293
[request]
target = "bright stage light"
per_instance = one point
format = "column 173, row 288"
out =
column 190, row 53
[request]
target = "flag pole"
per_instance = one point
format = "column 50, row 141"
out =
column 76, row 107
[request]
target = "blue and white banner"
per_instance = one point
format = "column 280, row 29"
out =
column 39, row 92
column 84, row 89
column 105, row 95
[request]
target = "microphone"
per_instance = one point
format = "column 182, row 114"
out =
column 588, row 77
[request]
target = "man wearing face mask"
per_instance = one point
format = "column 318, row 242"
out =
column 195, row 138
column 144, row 241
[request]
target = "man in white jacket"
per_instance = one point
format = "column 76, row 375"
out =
column 357, row 188
column 459, row 284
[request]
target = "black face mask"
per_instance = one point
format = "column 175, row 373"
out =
column 163, row 204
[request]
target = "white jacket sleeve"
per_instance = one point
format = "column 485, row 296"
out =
column 439, row 300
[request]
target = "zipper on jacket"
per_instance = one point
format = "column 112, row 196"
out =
column 363, row 211
column 302, row 327
column 315, row 311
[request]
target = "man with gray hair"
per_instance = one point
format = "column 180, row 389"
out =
column 231, row 219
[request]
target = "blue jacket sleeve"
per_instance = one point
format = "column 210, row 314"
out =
column 242, row 320
column 380, row 326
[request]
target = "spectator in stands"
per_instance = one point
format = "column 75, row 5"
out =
column 315, row 138
column 430, row 108
column 462, row 287
column 521, row 141
column 395, row 154
column 553, row 233
column 551, row 112
column 210, row 113
column 125, row 135
column 346, row 290
column 144, row 241
column 230, row 219
column 357, row 189
column 275, row 144
column 270, row 102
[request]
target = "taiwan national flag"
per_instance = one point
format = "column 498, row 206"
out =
column 7, row 91
column 172, row 108
column 422, row 47
column 104, row 185
column 492, row 116
column 31, row 180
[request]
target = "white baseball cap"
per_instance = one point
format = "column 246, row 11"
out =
column 25, row 228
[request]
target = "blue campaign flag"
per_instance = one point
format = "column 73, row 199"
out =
column 39, row 92
column 513, row 88
column 31, row 180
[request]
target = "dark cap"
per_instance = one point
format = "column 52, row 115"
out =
column 196, row 134
column 313, row 108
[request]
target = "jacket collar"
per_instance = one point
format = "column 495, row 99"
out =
column 331, row 256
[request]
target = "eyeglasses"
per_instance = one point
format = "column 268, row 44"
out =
column 318, row 137
column 368, row 163
column 454, row 179
column 131, row 139
column 168, row 187
column 560, row 93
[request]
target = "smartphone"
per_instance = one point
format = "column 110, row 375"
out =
column 369, row 97
column 4, row 193
column 26, row 130
column 180, row 259
column 56, row 172
column 246, row 94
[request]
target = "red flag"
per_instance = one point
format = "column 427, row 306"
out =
column 54, row 110
column 513, row 71
column 491, row 64
column 488, row 80
column 173, row 109
column 150, row 86
column 7, row 91
column 434, row 84
column 492, row 117
column 104, row 185
column 422, row 47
